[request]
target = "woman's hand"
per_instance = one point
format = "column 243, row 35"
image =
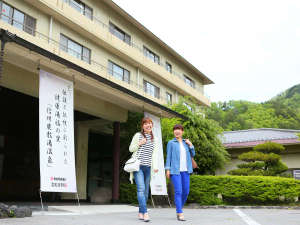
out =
column 143, row 141
column 188, row 142
column 155, row 171
column 168, row 174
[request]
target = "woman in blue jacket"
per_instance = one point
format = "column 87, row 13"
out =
column 179, row 167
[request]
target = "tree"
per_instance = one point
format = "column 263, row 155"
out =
column 282, row 111
column 203, row 133
column 263, row 160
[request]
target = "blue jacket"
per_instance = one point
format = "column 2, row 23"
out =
column 173, row 156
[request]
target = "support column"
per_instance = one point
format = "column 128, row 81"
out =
column 81, row 156
column 116, row 160
column 82, row 144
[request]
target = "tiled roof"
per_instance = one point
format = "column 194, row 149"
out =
column 246, row 137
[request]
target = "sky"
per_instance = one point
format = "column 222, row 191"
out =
column 250, row 49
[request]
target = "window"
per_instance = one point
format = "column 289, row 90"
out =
column 151, row 55
column 169, row 67
column 151, row 89
column 189, row 81
column 81, row 7
column 188, row 106
column 119, row 33
column 118, row 72
column 169, row 98
column 75, row 49
column 17, row 18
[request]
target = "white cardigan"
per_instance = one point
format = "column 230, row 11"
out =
column 134, row 147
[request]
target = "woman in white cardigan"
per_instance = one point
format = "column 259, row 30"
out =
column 144, row 146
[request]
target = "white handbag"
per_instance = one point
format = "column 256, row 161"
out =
column 132, row 165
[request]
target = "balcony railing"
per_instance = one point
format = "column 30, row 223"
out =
column 140, row 49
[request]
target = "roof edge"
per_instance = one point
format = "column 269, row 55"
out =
column 259, row 129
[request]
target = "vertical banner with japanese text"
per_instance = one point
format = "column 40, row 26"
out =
column 56, row 121
column 158, row 182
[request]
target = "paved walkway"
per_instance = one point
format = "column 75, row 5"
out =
column 127, row 215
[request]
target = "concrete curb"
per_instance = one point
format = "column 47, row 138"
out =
column 197, row 206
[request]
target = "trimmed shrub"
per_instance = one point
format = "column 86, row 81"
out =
column 242, row 190
column 246, row 172
column 128, row 193
column 235, row 190
column 252, row 165
column 262, row 160
column 269, row 147
column 253, row 156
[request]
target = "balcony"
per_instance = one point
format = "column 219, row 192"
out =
column 97, row 31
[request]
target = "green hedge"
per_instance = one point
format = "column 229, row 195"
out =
column 243, row 190
column 207, row 190
column 128, row 193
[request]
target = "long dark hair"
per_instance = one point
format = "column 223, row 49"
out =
column 146, row 120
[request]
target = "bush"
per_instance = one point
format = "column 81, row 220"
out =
column 235, row 190
column 247, row 172
column 252, row 165
column 128, row 193
column 269, row 147
column 253, row 156
column 242, row 190
column 262, row 160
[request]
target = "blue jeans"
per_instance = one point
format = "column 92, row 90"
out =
column 181, row 184
column 142, row 180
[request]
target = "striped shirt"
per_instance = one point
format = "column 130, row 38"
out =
column 145, row 151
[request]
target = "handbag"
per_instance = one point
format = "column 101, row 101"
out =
column 132, row 165
column 194, row 164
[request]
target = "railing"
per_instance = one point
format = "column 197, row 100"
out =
column 137, row 47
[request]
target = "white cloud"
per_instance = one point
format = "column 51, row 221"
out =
column 250, row 49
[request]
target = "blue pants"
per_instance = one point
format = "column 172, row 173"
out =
column 181, row 184
column 142, row 180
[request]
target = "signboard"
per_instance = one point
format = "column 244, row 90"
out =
column 296, row 174
column 158, row 183
column 56, row 120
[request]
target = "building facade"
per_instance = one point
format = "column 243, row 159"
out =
column 238, row 142
column 117, row 65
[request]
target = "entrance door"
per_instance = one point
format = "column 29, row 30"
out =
column 19, row 146
column 100, row 167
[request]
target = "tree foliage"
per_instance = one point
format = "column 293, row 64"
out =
column 203, row 133
column 283, row 111
column 262, row 160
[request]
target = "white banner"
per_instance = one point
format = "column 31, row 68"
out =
column 158, row 183
column 56, row 115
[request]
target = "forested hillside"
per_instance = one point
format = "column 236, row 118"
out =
column 282, row 111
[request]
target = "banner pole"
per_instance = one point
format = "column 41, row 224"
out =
column 78, row 199
column 41, row 200
column 152, row 202
column 169, row 201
